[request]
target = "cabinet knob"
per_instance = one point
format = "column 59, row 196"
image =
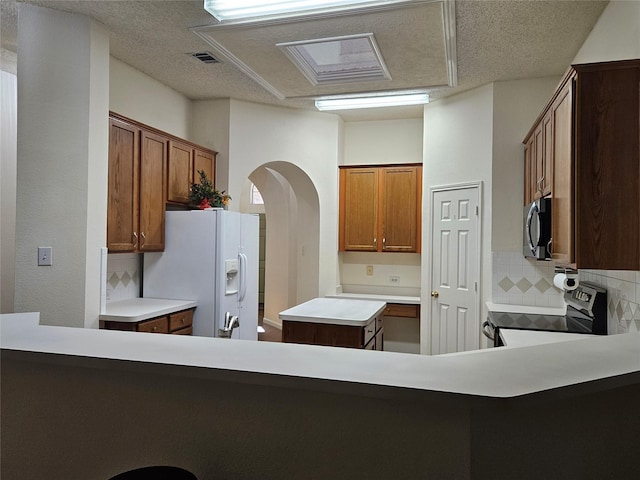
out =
column 435, row 294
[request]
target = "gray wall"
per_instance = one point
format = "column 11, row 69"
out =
column 88, row 422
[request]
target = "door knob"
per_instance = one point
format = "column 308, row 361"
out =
column 435, row 294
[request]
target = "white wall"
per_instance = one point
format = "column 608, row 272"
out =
column 380, row 142
column 377, row 143
column 516, row 105
column 144, row 99
column 210, row 128
column 309, row 143
column 458, row 133
column 616, row 35
column 62, row 164
column 8, row 167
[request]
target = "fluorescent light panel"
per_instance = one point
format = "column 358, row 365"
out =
column 237, row 9
column 394, row 99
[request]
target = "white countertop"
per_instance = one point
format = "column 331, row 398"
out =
column 336, row 311
column 525, row 338
column 382, row 298
column 138, row 309
column 482, row 374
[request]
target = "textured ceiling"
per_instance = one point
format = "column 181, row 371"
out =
column 495, row 40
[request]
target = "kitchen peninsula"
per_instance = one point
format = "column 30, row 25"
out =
column 208, row 395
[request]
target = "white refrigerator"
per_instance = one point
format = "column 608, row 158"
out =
column 210, row 256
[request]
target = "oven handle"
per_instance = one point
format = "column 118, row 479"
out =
column 532, row 211
column 488, row 331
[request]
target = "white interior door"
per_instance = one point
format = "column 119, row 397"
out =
column 455, row 254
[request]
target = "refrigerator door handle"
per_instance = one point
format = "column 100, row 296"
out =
column 243, row 275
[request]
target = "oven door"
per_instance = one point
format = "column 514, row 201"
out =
column 537, row 229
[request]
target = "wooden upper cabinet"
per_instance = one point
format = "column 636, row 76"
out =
column 547, row 156
column 562, row 207
column 180, row 172
column 122, row 202
column 380, row 208
column 359, row 209
column 136, row 202
column 591, row 130
column 399, row 223
column 185, row 161
column 205, row 161
column 607, row 165
column 153, row 167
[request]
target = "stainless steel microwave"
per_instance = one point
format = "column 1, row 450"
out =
column 537, row 229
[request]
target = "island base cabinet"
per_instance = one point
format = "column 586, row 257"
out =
column 368, row 337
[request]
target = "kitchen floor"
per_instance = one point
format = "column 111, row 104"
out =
column 271, row 334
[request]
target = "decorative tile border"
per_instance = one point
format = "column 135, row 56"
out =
column 623, row 303
column 520, row 281
column 123, row 279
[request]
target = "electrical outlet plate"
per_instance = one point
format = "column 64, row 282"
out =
column 369, row 270
column 44, row 256
column 394, row 279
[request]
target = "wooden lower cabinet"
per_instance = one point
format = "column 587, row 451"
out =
column 368, row 337
column 178, row 323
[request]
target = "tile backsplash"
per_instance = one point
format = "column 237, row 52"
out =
column 520, row 281
column 623, row 302
column 123, row 276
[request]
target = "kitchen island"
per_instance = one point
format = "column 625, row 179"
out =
column 335, row 322
column 214, row 406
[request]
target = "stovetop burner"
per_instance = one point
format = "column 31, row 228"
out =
column 586, row 313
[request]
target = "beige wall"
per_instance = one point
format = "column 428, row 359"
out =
column 142, row 98
column 383, row 141
column 62, row 168
column 516, row 105
column 616, row 35
column 458, row 133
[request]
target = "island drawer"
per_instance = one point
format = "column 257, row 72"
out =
column 180, row 320
column 155, row 325
column 402, row 310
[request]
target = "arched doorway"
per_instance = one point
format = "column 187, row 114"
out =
column 292, row 257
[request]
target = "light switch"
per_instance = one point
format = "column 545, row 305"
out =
column 44, row 256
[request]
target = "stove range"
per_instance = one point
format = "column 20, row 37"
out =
column 586, row 313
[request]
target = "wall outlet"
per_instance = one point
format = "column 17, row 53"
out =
column 44, row 256
column 369, row 270
column 394, row 279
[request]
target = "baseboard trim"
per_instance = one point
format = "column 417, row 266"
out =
column 272, row 323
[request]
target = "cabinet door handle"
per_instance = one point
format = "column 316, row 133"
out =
column 135, row 237
column 375, row 242
column 384, row 243
column 143, row 239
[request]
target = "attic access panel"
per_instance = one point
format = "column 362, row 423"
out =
column 333, row 60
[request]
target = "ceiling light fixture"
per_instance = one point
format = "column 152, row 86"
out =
column 375, row 100
column 237, row 9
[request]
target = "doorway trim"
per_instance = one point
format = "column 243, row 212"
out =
column 425, row 340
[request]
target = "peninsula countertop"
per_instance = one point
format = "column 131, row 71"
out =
column 489, row 374
column 139, row 309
